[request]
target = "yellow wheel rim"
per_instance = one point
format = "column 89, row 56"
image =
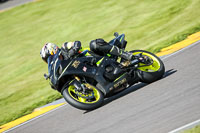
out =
column 77, row 95
column 155, row 66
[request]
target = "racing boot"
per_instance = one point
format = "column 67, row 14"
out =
column 119, row 52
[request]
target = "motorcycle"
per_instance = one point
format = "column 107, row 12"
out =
column 87, row 79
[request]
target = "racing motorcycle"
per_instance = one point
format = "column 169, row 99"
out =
column 87, row 79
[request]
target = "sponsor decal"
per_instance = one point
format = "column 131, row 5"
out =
column 76, row 64
column 121, row 82
column 84, row 69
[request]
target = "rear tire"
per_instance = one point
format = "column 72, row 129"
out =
column 81, row 103
column 147, row 75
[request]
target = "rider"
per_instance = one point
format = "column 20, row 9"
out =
column 69, row 49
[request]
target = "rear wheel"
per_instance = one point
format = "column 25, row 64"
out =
column 85, row 101
column 152, row 72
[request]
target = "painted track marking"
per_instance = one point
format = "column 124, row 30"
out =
column 63, row 104
column 185, row 126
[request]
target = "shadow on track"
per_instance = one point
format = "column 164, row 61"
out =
column 2, row 1
column 131, row 89
column 169, row 72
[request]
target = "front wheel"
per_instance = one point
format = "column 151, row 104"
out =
column 152, row 72
column 84, row 101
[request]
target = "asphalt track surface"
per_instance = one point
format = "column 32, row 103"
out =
column 12, row 3
column 159, row 107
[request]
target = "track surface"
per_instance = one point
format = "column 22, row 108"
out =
column 12, row 3
column 155, row 108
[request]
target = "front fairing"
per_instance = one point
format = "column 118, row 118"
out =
column 78, row 66
column 116, row 40
column 61, row 70
column 53, row 66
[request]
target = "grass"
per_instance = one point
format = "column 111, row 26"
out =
column 196, row 129
column 148, row 24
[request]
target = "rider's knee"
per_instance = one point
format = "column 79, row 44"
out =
column 99, row 45
column 93, row 45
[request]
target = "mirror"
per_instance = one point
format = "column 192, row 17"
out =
column 116, row 34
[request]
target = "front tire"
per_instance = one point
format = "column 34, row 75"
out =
column 151, row 73
column 77, row 100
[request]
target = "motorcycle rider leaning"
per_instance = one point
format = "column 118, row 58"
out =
column 70, row 49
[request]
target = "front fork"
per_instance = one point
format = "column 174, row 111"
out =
column 79, row 86
column 82, row 89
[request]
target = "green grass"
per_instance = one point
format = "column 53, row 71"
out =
column 196, row 129
column 148, row 24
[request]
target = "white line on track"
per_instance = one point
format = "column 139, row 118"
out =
column 192, row 124
column 163, row 57
column 186, row 126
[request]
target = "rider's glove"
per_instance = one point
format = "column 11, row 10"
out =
column 77, row 46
